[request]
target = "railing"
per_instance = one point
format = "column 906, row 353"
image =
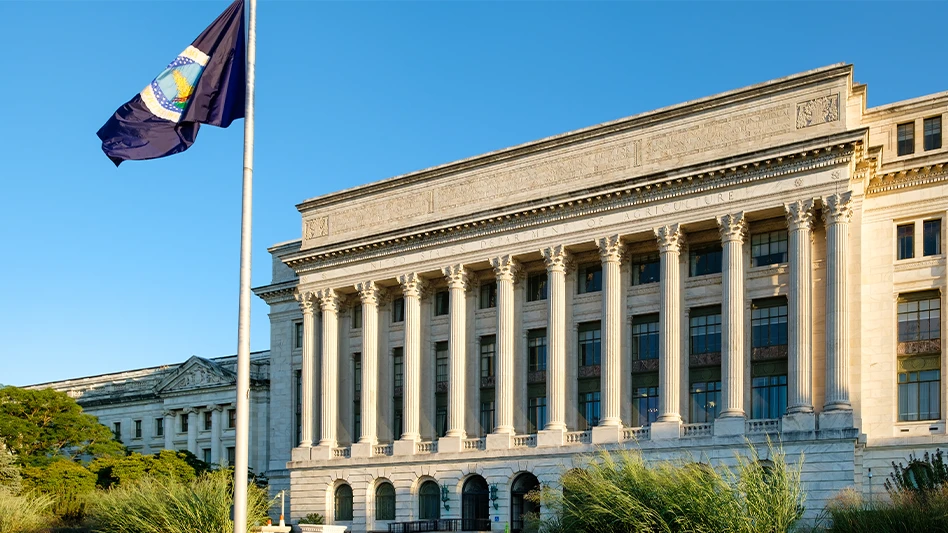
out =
column 579, row 437
column 697, row 430
column 341, row 452
column 763, row 426
column 524, row 441
column 475, row 444
column 382, row 449
column 636, row 433
column 443, row 524
column 426, row 447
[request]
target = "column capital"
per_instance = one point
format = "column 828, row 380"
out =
column 369, row 292
column 799, row 214
column 329, row 300
column 610, row 249
column 305, row 299
column 458, row 277
column 733, row 227
column 837, row 208
column 557, row 258
column 670, row 238
column 412, row 284
column 506, row 268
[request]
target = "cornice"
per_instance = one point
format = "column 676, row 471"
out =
column 619, row 196
column 906, row 178
column 278, row 292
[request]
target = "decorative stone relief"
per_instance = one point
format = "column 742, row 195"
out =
column 733, row 227
column 316, row 227
column 818, row 111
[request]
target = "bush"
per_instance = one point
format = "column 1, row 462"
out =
column 10, row 478
column 25, row 513
column 312, row 518
column 906, row 512
column 66, row 482
column 162, row 504
column 179, row 466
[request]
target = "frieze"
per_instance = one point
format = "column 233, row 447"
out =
column 818, row 111
column 315, row 228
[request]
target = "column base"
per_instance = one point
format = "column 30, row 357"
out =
column 361, row 449
column 666, row 430
column 732, row 425
column 798, row 422
column 606, row 434
column 322, row 452
column 499, row 441
column 836, row 419
column 404, row 447
column 452, row 444
column 549, row 438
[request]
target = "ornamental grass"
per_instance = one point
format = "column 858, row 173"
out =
column 24, row 513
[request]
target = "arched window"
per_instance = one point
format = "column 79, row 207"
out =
column 429, row 501
column 343, row 503
column 385, row 502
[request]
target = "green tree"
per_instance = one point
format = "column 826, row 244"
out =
column 10, row 478
column 40, row 426
column 66, row 482
column 182, row 467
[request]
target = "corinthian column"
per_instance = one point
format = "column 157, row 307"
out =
column 370, row 294
column 506, row 269
column 668, row 426
column 800, row 311
column 610, row 252
column 192, row 430
column 458, row 282
column 412, row 287
column 837, row 210
column 329, row 302
column 168, row 429
column 307, row 372
column 215, row 433
column 733, row 230
column 557, row 261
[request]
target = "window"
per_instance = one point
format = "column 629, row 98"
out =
column 117, row 431
column 536, row 287
column 138, row 429
column 398, row 369
column 931, row 237
column 231, row 455
column 646, row 269
column 536, row 413
column 769, row 248
column 705, row 401
column 207, row 420
column 705, row 259
column 159, row 427
column 645, row 337
column 705, row 330
column 397, row 427
column 589, row 344
column 429, row 501
column 356, row 396
column 905, row 239
column 487, row 416
column 488, row 351
column 385, row 502
column 645, row 402
column 919, row 316
column 298, row 335
column 232, row 417
column 588, row 410
column 357, row 316
column 441, row 362
column 931, row 128
column 536, row 350
column 769, row 390
column 343, row 503
column 442, row 303
column 769, row 322
column 906, row 138
column 398, row 310
column 590, row 278
column 919, row 396
column 441, row 418
column 206, row 455
column 488, row 296
column 184, row 422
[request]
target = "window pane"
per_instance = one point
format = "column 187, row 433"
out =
column 769, row 248
column 931, row 236
column 932, row 127
column 906, row 241
column 536, row 287
column 645, row 269
column 706, row 260
column 590, row 279
column 906, row 138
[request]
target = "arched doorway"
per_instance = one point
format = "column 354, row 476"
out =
column 520, row 507
column 429, row 501
column 475, row 505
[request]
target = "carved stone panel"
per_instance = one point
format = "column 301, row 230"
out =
column 818, row 111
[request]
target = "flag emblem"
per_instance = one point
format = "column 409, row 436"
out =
column 170, row 93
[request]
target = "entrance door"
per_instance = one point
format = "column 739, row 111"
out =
column 475, row 505
column 520, row 507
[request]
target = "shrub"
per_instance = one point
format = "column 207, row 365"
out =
column 905, row 512
column 180, row 466
column 24, row 513
column 312, row 518
column 162, row 504
column 66, row 482
column 10, row 478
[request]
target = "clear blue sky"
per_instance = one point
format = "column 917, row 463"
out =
column 107, row 269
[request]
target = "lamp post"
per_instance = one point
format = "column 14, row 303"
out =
column 493, row 496
column 444, row 497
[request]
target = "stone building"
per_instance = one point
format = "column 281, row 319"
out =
column 189, row 406
column 766, row 262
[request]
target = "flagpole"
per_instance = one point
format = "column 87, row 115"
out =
column 243, row 322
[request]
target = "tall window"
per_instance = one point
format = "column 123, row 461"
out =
column 536, row 286
column 429, row 501
column 159, row 427
column 705, row 330
column 298, row 335
column 356, row 396
column 769, row 396
column 644, row 400
column 206, row 453
column 919, row 394
column 488, row 295
column 487, row 416
column 589, row 344
column 357, row 315
column 536, row 413
column 385, row 502
column 441, row 417
column 231, row 455
column 231, row 418
column 769, row 322
column 906, row 138
column 588, row 409
column 441, row 362
column 645, row 337
column 398, row 310
column 932, row 132
column 769, row 248
column 343, row 503
column 905, row 235
column 536, row 350
column 398, row 376
column 488, row 352
column 920, row 316
column 645, row 269
column 184, row 422
column 117, row 431
column 207, row 420
column 705, row 401
column 705, row 259
column 590, row 278
column 442, row 301
column 138, row 429
column 931, row 237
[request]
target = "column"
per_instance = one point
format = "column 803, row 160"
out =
column 557, row 261
column 610, row 252
column 192, row 430
column 215, row 433
column 506, row 270
column 668, row 426
column 412, row 287
column 370, row 294
column 169, row 429
column 799, row 318
column 733, row 230
column 329, row 304
column 459, row 281
column 308, row 370
column 837, row 410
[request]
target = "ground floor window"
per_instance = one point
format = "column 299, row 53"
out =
column 429, row 501
column 343, row 503
column 920, row 388
column 769, row 389
column 644, row 399
column 385, row 502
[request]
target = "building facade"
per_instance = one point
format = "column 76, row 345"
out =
column 761, row 264
column 191, row 406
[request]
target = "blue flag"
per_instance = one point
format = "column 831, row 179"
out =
column 205, row 84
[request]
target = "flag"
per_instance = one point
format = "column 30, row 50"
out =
column 205, row 84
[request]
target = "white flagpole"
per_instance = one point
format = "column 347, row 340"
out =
column 243, row 322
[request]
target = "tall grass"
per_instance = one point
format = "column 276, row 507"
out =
column 25, row 513
column 905, row 512
column 618, row 493
column 162, row 505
